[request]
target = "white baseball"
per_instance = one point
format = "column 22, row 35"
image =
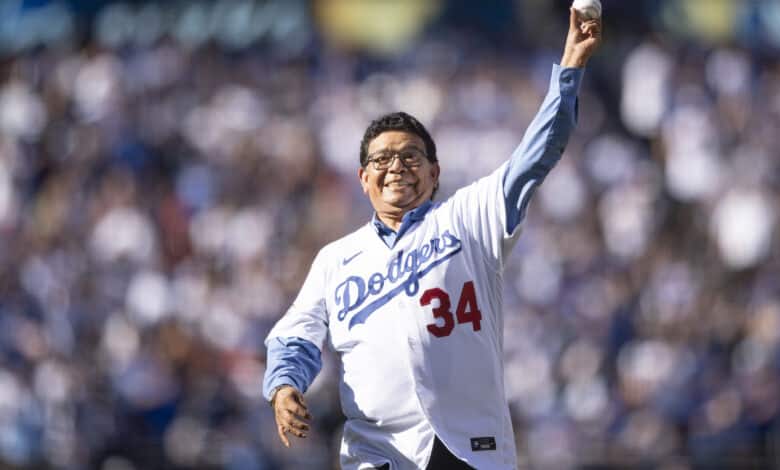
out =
column 589, row 9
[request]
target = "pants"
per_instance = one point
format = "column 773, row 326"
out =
column 441, row 459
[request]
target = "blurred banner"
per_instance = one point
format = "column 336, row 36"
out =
column 382, row 26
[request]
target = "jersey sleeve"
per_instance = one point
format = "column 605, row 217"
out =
column 480, row 211
column 307, row 317
column 294, row 344
column 491, row 209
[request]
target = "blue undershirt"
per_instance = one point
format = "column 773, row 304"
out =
column 296, row 361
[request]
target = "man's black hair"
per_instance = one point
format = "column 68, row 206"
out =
column 398, row 121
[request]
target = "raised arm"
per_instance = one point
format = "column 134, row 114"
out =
column 547, row 135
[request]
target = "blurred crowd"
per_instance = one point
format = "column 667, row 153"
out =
column 161, row 201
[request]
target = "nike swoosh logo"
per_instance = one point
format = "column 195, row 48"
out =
column 346, row 261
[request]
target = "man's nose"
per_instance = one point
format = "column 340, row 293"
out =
column 397, row 165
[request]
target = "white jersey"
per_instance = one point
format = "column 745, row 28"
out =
column 419, row 330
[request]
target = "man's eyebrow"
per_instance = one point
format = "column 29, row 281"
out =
column 405, row 147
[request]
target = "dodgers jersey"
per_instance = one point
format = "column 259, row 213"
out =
column 417, row 322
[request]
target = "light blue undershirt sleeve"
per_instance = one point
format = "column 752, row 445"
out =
column 543, row 142
column 291, row 361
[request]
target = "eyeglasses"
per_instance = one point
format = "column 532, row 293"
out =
column 410, row 158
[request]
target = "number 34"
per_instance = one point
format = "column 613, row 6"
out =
column 467, row 311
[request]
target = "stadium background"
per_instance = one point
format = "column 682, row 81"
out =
column 169, row 169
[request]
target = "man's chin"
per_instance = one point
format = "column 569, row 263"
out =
column 403, row 201
column 391, row 196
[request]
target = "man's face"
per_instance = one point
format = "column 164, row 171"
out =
column 400, row 187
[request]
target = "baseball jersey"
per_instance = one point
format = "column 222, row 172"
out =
column 416, row 320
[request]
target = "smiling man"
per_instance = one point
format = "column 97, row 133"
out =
column 397, row 174
column 411, row 302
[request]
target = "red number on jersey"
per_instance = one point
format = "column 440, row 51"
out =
column 442, row 311
column 467, row 312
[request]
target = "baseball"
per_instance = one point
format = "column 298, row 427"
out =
column 589, row 9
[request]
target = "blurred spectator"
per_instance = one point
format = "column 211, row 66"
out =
column 168, row 170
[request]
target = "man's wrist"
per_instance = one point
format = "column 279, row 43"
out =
column 568, row 62
column 275, row 391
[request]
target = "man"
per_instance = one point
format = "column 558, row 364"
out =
column 411, row 302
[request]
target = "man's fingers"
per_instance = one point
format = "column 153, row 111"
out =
column 281, row 431
column 292, row 429
column 572, row 18
column 297, row 407
column 589, row 25
column 301, row 412
column 303, row 408
column 294, row 422
column 292, row 416
column 592, row 34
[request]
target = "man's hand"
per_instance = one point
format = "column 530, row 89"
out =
column 291, row 413
column 583, row 39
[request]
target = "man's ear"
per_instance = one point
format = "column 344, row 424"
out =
column 435, row 172
column 363, row 177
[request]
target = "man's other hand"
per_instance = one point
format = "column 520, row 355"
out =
column 291, row 413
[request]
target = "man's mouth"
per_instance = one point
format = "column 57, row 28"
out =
column 399, row 184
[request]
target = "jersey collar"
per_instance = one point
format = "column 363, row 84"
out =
column 390, row 236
